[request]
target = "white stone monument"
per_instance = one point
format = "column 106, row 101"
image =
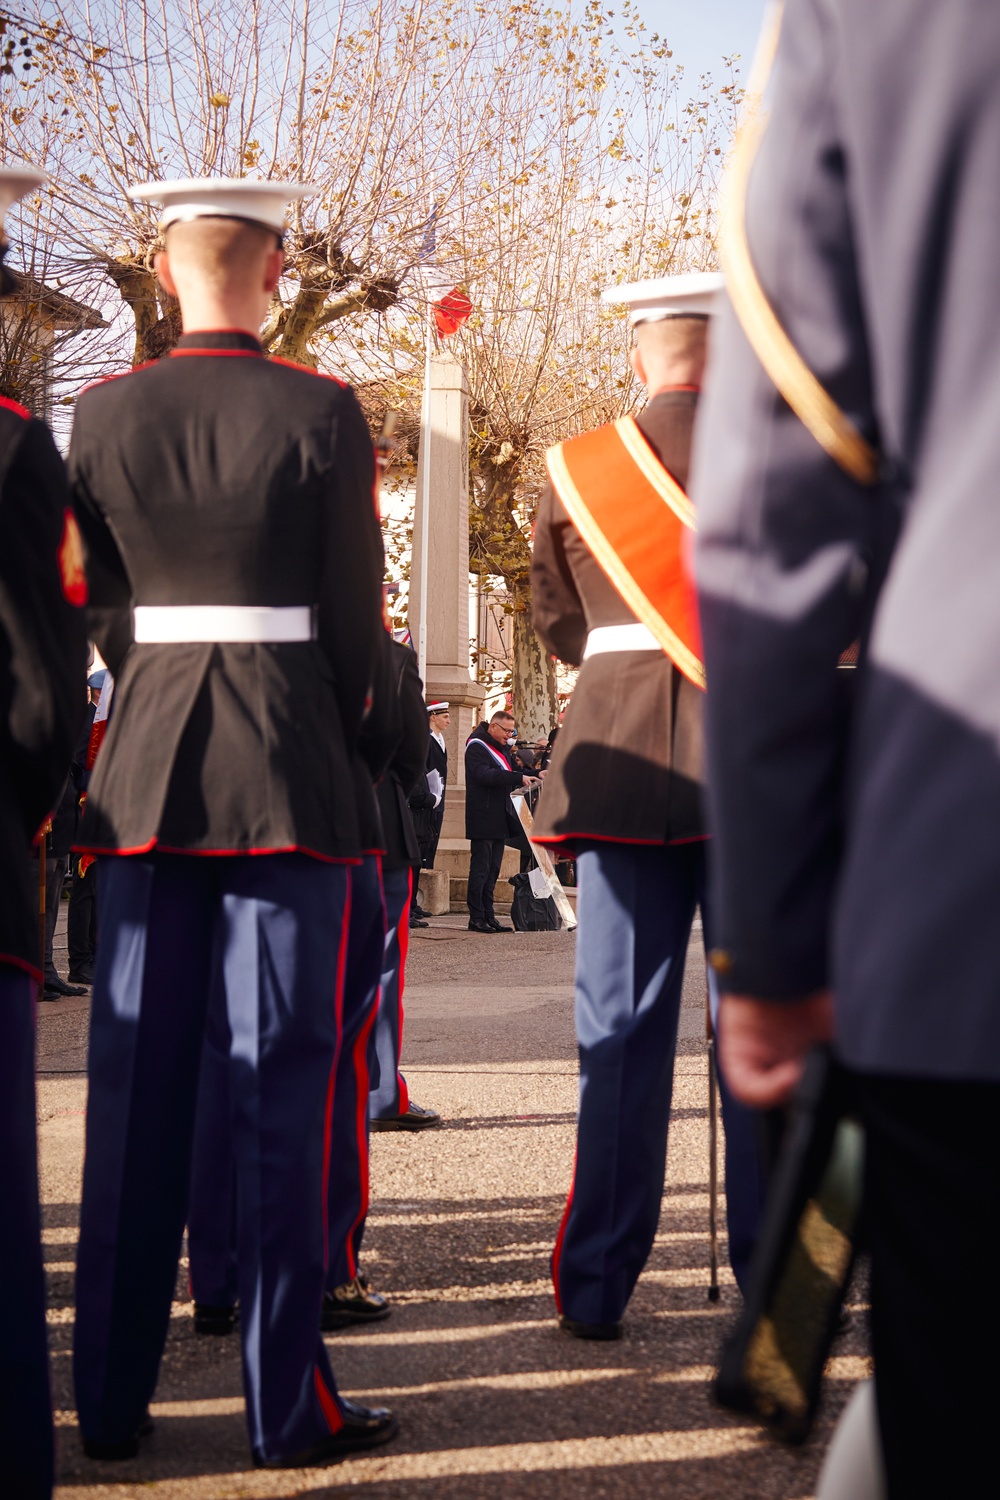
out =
column 447, row 592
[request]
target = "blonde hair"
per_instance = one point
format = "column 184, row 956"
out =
column 225, row 254
column 672, row 338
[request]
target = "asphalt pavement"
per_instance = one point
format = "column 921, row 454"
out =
column 493, row 1400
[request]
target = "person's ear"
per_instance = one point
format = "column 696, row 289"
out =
column 638, row 368
column 273, row 267
column 161, row 265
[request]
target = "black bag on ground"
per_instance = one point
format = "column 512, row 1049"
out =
column 529, row 913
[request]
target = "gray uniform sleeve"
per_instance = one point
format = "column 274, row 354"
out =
column 787, row 547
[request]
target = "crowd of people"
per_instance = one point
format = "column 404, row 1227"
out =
column 272, row 780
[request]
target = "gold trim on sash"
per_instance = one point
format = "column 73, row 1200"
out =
column 643, row 609
column 811, row 403
column 651, row 469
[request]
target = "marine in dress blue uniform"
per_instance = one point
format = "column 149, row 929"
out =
column 387, row 760
column 235, row 564
column 623, row 794
column 43, row 650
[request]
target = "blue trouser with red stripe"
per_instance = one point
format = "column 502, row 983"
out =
column 26, row 1450
column 635, row 908
column 348, row 1135
column 271, row 927
column 211, row 1214
column 389, row 1095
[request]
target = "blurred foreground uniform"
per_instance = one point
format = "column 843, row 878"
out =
column 235, row 563
column 862, row 853
column 623, row 795
column 43, row 656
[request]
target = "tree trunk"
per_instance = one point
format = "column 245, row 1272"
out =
column 533, row 676
column 300, row 325
column 157, row 317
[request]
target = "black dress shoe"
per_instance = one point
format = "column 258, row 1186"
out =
column 83, row 975
column 214, row 1320
column 415, row 1118
column 127, row 1448
column 415, row 922
column 606, row 1332
column 56, row 988
column 475, row 926
column 496, row 926
column 354, row 1302
column 364, row 1427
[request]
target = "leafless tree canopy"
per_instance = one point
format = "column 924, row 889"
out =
column 530, row 153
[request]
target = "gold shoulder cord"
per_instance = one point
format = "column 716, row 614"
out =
column 814, row 407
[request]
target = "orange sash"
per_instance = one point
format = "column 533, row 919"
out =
column 634, row 516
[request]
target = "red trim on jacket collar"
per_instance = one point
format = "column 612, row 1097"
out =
column 120, row 375
column 19, row 411
column 614, row 838
column 327, row 859
column 292, row 365
column 208, row 353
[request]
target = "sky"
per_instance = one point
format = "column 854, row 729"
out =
column 701, row 32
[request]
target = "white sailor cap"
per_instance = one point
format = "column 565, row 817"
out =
column 190, row 198
column 695, row 294
column 17, row 182
column 439, row 707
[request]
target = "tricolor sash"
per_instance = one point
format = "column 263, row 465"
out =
column 497, row 755
column 635, row 518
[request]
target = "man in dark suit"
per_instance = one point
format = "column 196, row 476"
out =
column 623, row 795
column 490, row 820
column 43, row 652
column 235, row 565
column 846, row 481
column 438, row 719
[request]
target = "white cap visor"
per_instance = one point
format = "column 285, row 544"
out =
column 693, row 295
column 223, row 198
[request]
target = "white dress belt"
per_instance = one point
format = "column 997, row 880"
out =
column 177, row 623
column 620, row 638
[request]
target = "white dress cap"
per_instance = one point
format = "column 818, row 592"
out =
column 17, row 182
column 190, row 198
column 695, row 294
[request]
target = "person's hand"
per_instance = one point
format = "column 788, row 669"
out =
column 530, row 780
column 763, row 1043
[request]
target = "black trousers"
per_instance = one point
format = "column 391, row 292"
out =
column 933, row 1195
column 81, row 921
column 484, row 867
